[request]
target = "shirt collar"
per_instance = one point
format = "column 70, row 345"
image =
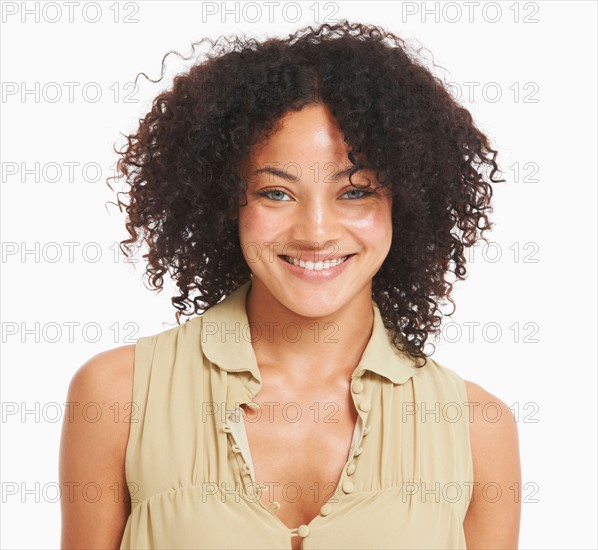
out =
column 226, row 342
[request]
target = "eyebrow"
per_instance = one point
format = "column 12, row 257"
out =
column 294, row 179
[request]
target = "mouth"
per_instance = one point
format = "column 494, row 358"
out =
column 318, row 266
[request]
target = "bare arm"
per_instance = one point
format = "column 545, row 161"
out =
column 95, row 501
column 493, row 522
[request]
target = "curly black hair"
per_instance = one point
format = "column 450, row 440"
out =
column 182, row 164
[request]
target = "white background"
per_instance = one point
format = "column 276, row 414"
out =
column 542, row 299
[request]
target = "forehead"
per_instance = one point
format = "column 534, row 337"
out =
column 311, row 133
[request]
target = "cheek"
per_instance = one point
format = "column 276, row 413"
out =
column 257, row 224
column 375, row 224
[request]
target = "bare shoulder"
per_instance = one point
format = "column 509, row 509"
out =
column 490, row 418
column 93, row 451
column 493, row 516
column 108, row 374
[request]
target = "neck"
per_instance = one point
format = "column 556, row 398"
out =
column 293, row 346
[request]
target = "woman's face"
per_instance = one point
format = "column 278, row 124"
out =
column 311, row 215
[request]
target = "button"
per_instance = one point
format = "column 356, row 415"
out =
column 236, row 448
column 357, row 451
column 226, row 428
column 365, row 405
column 366, row 430
column 326, row 509
column 246, row 468
column 275, row 506
column 303, row 531
column 351, row 469
column 348, row 487
column 235, row 416
column 357, row 387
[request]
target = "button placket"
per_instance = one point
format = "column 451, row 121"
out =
column 363, row 406
column 252, row 489
column 249, row 483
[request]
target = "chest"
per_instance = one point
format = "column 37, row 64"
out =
column 299, row 449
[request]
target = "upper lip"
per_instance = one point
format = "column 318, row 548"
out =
column 312, row 258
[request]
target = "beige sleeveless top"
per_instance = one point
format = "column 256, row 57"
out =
column 407, row 481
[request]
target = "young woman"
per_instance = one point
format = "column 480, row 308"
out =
column 314, row 193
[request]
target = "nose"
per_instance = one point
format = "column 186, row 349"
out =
column 316, row 220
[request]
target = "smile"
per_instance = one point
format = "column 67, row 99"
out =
column 318, row 266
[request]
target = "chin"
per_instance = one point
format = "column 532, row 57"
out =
column 311, row 301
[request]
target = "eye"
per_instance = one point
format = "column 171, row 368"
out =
column 365, row 193
column 270, row 192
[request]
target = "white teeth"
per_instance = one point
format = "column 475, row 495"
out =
column 318, row 266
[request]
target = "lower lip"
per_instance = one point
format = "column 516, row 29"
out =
column 321, row 275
